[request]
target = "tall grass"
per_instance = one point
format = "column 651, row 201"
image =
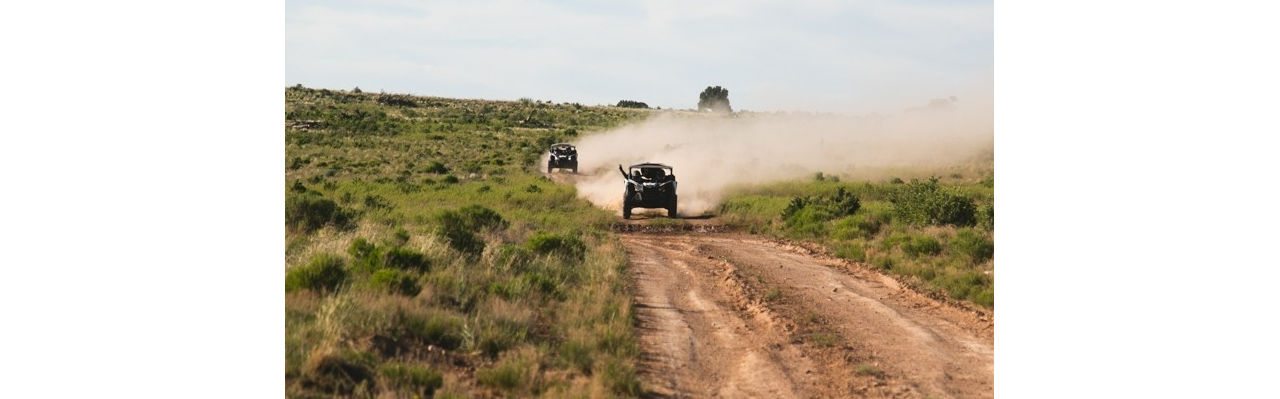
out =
column 427, row 256
column 936, row 235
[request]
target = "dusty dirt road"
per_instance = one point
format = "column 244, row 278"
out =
column 733, row 315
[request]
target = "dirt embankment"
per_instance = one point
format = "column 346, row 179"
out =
column 731, row 315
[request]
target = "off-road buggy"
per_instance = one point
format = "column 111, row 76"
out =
column 563, row 156
column 649, row 185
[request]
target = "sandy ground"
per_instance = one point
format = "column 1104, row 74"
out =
column 734, row 315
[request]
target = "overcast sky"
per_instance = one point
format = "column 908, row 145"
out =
column 842, row 56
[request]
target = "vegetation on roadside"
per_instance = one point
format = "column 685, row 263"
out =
column 426, row 256
column 935, row 233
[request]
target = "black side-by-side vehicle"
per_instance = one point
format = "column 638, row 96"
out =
column 649, row 185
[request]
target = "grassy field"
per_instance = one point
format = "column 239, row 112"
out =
column 936, row 232
column 427, row 256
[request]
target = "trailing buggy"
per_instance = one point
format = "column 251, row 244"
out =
column 563, row 156
column 649, row 185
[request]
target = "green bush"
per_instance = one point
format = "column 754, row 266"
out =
column 323, row 273
column 405, row 259
column 851, row 250
column 460, row 227
column 568, row 246
column 436, row 167
column 437, row 329
column 480, row 218
column 396, row 282
column 973, row 245
column 365, row 256
column 309, row 212
column 928, row 203
column 340, row 373
column 922, row 245
column 420, row 380
column 508, row 376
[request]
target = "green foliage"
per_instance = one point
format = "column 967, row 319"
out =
column 341, row 373
column 460, row 227
column 400, row 166
column 851, row 250
column 925, row 202
column 568, row 246
column 806, row 215
column 632, row 104
column 714, row 98
column 479, row 218
column 436, row 167
column 365, row 256
column 921, row 245
column 324, row 273
column 309, row 212
column 396, row 282
column 397, row 100
column 512, row 375
column 434, row 328
column 414, row 378
column 973, row 245
column 406, row 259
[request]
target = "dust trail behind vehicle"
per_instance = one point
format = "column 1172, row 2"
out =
column 712, row 153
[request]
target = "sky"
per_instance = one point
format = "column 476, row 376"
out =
column 824, row 56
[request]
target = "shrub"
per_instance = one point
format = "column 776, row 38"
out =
column 973, row 245
column 365, row 256
column 402, row 236
column 459, row 227
column 480, row 218
column 514, row 373
column 339, row 374
column 921, row 245
column 310, row 212
column 396, row 282
column 323, row 273
column 927, row 203
column 436, row 167
column 397, row 100
column 851, row 250
column 374, row 201
column 805, row 215
column 551, row 244
column 418, row 379
column 632, row 104
column 439, row 329
column 405, row 259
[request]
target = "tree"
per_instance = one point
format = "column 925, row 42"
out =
column 632, row 104
column 714, row 98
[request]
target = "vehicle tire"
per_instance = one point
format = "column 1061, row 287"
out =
column 626, row 212
column 549, row 169
column 575, row 170
column 671, row 210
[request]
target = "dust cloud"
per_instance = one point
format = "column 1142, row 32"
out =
column 712, row 153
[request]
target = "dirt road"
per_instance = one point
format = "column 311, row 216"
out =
column 731, row 315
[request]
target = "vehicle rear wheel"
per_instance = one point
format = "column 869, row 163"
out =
column 575, row 170
column 626, row 212
column 671, row 212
